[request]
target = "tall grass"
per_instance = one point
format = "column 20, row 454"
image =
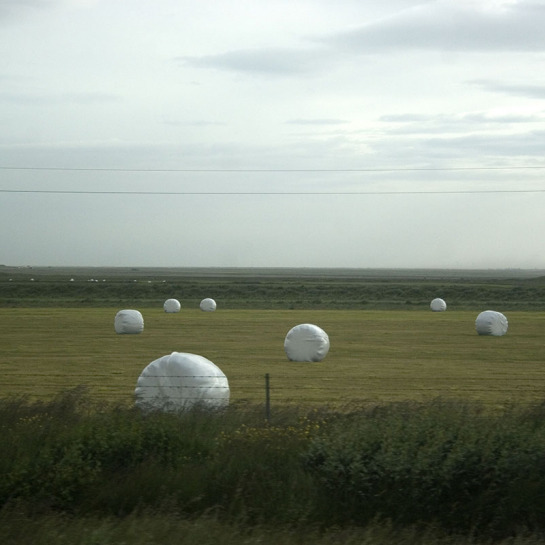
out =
column 161, row 529
column 168, row 529
column 441, row 467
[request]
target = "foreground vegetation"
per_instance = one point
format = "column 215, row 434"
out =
column 78, row 472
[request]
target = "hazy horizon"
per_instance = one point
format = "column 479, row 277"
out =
column 271, row 271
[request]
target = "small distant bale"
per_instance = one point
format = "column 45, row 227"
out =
column 172, row 305
column 180, row 381
column 491, row 322
column 438, row 305
column 208, row 305
column 306, row 342
column 129, row 322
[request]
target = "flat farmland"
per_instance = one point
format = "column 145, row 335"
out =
column 375, row 355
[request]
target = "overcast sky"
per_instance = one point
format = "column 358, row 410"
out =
column 281, row 133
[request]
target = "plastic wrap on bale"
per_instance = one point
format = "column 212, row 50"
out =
column 172, row 305
column 129, row 322
column 181, row 381
column 438, row 305
column 491, row 322
column 306, row 342
column 208, row 305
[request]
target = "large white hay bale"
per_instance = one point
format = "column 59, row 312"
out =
column 491, row 322
column 438, row 305
column 306, row 342
column 130, row 322
column 172, row 305
column 208, row 305
column 179, row 381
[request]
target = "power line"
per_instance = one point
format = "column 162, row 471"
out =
column 271, row 170
column 268, row 193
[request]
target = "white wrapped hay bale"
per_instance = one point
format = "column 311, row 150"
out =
column 208, row 305
column 491, row 322
column 180, row 381
column 172, row 305
column 306, row 342
column 129, row 322
column 438, row 305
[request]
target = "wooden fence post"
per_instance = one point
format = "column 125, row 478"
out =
column 267, row 397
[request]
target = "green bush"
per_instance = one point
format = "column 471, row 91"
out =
column 437, row 463
column 257, row 472
column 56, row 453
column 448, row 465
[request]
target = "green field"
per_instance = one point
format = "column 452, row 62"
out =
column 375, row 356
column 77, row 470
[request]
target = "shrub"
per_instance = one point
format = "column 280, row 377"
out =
column 257, row 472
column 55, row 453
column 448, row 465
column 439, row 462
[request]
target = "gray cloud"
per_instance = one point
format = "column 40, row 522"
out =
column 41, row 99
column 274, row 61
column 316, row 121
column 13, row 8
column 479, row 148
column 442, row 123
column 444, row 25
column 447, row 25
column 480, row 118
column 404, row 118
column 515, row 89
column 199, row 123
column 524, row 144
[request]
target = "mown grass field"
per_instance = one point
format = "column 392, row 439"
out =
column 375, row 356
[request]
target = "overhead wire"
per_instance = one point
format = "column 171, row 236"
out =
column 270, row 170
column 254, row 170
column 432, row 192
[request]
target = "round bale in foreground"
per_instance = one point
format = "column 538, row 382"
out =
column 172, row 305
column 306, row 342
column 129, row 322
column 208, row 305
column 438, row 305
column 491, row 322
column 180, row 381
